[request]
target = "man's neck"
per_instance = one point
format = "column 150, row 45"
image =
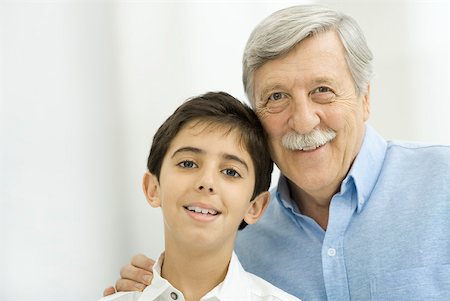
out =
column 195, row 273
column 316, row 205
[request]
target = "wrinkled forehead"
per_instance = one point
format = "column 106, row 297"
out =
column 319, row 57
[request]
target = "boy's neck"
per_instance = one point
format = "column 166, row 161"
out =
column 195, row 272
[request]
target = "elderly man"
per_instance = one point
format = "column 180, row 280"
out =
column 353, row 217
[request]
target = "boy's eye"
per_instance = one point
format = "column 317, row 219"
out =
column 231, row 172
column 187, row 164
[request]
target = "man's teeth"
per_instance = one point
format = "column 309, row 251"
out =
column 308, row 148
column 312, row 147
column 202, row 210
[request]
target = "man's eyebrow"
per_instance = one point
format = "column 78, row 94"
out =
column 323, row 80
column 235, row 158
column 187, row 149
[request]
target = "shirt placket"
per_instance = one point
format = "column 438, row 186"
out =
column 342, row 208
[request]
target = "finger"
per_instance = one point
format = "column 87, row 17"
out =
column 126, row 285
column 135, row 274
column 109, row 291
column 143, row 262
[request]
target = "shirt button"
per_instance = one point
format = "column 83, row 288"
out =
column 331, row 252
column 173, row 295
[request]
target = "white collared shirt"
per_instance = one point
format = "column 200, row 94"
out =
column 238, row 285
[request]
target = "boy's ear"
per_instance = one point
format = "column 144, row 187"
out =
column 150, row 185
column 257, row 208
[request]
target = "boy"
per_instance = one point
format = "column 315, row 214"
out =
column 209, row 170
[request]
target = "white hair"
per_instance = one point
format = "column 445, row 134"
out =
column 281, row 31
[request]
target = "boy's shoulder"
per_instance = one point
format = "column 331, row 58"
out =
column 257, row 287
column 237, row 285
column 263, row 290
column 122, row 296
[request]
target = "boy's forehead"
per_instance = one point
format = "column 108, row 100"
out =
column 201, row 128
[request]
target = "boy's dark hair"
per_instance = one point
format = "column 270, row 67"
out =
column 217, row 108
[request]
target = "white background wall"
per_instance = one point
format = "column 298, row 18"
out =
column 85, row 84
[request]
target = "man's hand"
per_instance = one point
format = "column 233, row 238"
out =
column 135, row 276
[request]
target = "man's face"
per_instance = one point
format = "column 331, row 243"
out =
column 311, row 88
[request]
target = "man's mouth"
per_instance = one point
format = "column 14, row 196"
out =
column 309, row 141
column 311, row 148
column 205, row 211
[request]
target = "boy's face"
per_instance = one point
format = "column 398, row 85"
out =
column 205, row 186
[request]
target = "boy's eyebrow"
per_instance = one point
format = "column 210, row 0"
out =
column 190, row 149
column 235, row 158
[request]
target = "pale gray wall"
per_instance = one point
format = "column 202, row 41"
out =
column 85, row 84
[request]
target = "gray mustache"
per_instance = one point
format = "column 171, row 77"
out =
column 309, row 141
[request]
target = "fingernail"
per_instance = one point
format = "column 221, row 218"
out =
column 147, row 279
column 139, row 286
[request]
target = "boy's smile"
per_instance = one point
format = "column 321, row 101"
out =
column 202, row 212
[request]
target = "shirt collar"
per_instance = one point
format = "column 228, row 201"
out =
column 234, row 287
column 367, row 166
column 159, row 287
column 283, row 195
column 363, row 174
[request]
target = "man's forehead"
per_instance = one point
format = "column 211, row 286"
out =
column 320, row 58
column 327, row 42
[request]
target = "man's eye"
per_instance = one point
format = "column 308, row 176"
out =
column 274, row 103
column 323, row 95
column 187, row 164
column 276, row 96
column 231, row 172
column 322, row 90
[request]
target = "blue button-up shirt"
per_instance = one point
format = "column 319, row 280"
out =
column 388, row 234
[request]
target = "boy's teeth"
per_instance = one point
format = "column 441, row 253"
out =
column 201, row 210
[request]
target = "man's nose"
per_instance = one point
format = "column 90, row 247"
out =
column 303, row 116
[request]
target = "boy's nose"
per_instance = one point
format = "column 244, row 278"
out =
column 201, row 187
column 206, row 179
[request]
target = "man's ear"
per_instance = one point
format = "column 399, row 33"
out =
column 366, row 103
column 257, row 208
column 150, row 185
